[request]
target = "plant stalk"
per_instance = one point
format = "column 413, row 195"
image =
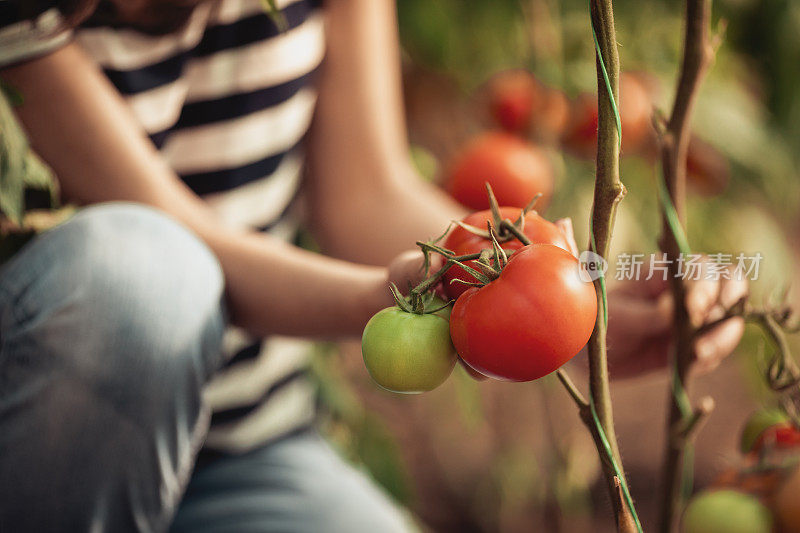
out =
column 608, row 192
column 698, row 55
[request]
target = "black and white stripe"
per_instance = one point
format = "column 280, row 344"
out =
column 228, row 102
column 229, row 98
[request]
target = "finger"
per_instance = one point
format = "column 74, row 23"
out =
column 733, row 290
column 711, row 348
column 701, row 296
column 565, row 225
column 407, row 268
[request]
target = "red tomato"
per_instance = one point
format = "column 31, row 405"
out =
column 513, row 96
column 528, row 322
column 462, row 242
column 782, row 437
column 516, row 170
column 771, row 427
column 635, row 108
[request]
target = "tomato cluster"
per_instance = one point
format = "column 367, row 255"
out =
column 528, row 312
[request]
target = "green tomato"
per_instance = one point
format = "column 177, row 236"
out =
column 726, row 511
column 407, row 352
column 757, row 424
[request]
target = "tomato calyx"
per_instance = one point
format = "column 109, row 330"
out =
column 417, row 302
column 505, row 229
column 485, row 266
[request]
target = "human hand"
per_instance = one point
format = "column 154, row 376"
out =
column 640, row 320
column 640, row 323
column 407, row 269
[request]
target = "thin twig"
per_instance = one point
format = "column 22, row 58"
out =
column 738, row 309
column 695, row 422
column 573, row 391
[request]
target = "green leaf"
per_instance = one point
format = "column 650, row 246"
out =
column 13, row 147
column 277, row 16
column 20, row 168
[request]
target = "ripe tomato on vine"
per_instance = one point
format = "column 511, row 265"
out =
column 528, row 322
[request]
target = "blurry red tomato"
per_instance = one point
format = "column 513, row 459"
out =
column 517, row 171
column 635, row 108
column 513, row 96
column 551, row 120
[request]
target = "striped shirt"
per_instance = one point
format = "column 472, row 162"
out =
column 227, row 100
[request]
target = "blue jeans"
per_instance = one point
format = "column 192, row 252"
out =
column 110, row 325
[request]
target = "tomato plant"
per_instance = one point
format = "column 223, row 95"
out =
column 517, row 171
column 462, row 241
column 529, row 321
column 408, row 352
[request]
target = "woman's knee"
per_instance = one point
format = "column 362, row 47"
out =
column 123, row 296
column 109, row 327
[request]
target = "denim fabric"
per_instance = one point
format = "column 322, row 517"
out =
column 110, row 325
column 297, row 484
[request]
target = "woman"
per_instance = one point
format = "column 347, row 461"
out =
column 111, row 323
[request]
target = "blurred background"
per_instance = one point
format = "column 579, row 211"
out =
column 494, row 456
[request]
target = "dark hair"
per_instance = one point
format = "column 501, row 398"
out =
column 155, row 17
column 73, row 11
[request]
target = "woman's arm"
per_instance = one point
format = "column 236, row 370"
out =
column 361, row 180
column 79, row 124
